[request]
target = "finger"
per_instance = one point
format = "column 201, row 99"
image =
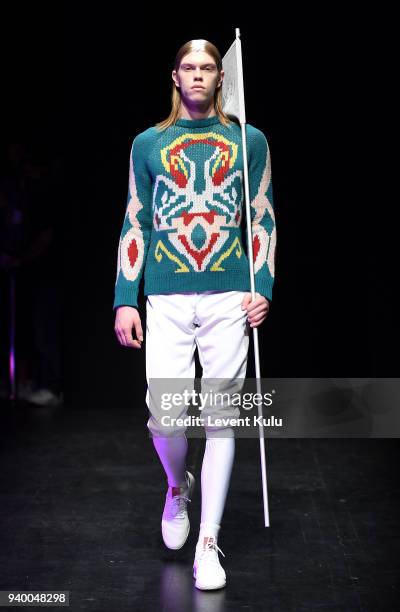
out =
column 257, row 317
column 260, row 308
column 255, row 304
column 139, row 331
column 256, row 324
column 246, row 301
column 129, row 339
column 131, row 343
column 256, row 314
column 121, row 337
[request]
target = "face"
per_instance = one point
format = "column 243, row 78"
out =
column 197, row 69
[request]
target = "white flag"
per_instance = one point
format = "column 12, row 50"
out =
column 232, row 83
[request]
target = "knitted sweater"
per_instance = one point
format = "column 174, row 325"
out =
column 185, row 218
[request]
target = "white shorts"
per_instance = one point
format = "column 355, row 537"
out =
column 177, row 323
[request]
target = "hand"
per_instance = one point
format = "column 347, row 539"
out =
column 257, row 310
column 126, row 318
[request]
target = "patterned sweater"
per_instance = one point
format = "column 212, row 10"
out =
column 185, row 218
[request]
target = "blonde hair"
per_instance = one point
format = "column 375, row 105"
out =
column 188, row 47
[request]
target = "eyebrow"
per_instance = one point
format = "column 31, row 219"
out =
column 203, row 65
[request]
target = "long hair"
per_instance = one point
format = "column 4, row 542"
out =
column 188, row 47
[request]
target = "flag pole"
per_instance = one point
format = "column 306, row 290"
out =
column 242, row 119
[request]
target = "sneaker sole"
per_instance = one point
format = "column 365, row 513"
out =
column 190, row 491
column 207, row 587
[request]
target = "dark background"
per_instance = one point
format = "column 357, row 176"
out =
column 84, row 81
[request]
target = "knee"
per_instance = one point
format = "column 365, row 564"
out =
column 221, row 432
column 161, row 430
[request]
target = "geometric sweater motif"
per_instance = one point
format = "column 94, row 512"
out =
column 184, row 227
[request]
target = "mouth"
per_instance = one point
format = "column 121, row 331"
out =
column 197, row 87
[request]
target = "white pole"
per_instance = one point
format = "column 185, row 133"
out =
column 242, row 120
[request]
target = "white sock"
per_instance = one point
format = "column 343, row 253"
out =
column 215, row 478
column 172, row 452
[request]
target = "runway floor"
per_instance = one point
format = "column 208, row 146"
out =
column 82, row 494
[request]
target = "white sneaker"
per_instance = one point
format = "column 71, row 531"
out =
column 25, row 388
column 207, row 569
column 175, row 524
column 44, row 397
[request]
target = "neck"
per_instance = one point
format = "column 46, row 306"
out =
column 190, row 113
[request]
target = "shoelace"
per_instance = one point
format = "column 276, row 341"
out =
column 210, row 547
column 178, row 504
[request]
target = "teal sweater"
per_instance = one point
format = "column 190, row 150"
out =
column 185, row 218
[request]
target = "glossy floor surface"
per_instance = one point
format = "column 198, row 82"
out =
column 82, row 494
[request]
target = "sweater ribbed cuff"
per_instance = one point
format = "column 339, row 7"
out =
column 126, row 296
column 264, row 287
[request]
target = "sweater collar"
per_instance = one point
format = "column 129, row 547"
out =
column 194, row 123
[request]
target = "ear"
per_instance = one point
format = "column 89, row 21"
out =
column 174, row 78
